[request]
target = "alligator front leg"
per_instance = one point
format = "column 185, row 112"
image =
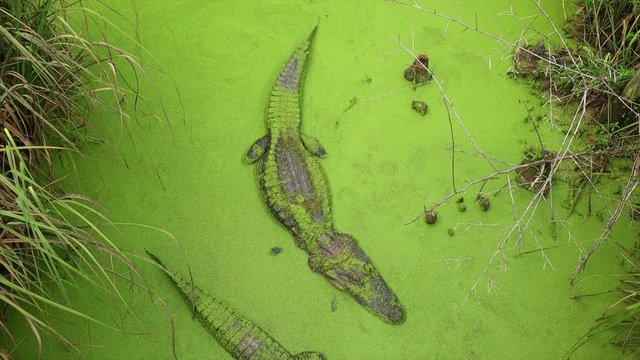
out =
column 313, row 145
column 257, row 149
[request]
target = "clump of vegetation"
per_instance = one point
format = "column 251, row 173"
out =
column 52, row 77
column 602, row 71
column 611, row 29
column 601, row 74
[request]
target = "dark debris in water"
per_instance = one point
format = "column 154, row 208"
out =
column 276, row 250
column 418, row 72
column 420, row 107
column 484, row 202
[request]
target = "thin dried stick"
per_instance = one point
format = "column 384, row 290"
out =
column 453, row 148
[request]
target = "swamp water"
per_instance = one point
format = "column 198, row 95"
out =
column 384, row 163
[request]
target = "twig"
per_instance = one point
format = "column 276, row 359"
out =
column 453, row 147
column 576, row 297
column 536, row 250
column 535, row 127
column 478, row 155
column 515, row 209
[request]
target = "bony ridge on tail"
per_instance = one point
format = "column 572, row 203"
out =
column 295, row 189
column 238, row 335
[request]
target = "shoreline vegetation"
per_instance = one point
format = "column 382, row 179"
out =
column 593, row 70
column 57, row 71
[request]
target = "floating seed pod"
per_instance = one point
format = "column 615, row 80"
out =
column 485, row 203
column 430, row 217
column 417, row 72
column 451, row 232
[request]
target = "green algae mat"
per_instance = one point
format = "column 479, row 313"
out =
column 470, row 288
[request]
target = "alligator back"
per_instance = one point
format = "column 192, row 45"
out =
column 295, row 189
column 238, row 335
column 293, row 184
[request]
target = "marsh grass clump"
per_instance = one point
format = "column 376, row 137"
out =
column 610, row 28
column 621, row 319
column 600, row 73
column 604, row 64
column 53, row 76
column 600, row 76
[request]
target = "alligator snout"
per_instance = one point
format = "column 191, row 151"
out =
column 385, row 303
column 345, row 264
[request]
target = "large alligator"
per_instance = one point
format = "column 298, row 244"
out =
column 295, row 189
column 243, row 339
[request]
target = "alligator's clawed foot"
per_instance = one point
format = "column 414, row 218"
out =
column 257, row 149
column 313, row 145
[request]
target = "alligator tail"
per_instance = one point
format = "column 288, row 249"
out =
column 292, row 76
column 239, row 336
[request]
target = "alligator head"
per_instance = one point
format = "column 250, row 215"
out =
column 339, row 258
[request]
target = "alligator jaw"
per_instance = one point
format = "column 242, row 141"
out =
column 347, row 267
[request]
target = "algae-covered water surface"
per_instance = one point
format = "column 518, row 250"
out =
column 475, row 284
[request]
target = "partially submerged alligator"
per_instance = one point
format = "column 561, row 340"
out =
column 296, row 191
column 239, row 336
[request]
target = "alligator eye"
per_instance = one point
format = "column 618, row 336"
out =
column 352, row 275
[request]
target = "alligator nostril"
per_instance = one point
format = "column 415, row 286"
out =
column 396, row 314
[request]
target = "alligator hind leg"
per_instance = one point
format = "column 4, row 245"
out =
column 257, row 149
column 313, row 145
